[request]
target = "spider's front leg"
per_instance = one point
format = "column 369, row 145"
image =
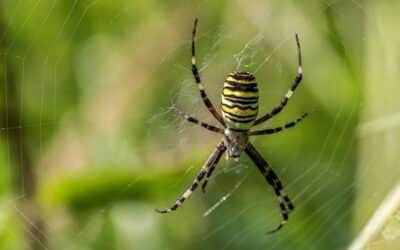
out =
column 284, row 202
column 289, row 94
column 211, row 161
column 208, row 175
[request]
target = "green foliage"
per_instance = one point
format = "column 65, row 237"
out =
column 89, row 144
column 96, row 189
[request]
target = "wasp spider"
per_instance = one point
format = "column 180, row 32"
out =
column 239, row 108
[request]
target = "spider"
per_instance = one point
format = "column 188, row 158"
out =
column 239, row 109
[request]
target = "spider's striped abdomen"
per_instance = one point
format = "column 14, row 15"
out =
column 239, row 100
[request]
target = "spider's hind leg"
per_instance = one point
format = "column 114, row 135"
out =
column 200, row 123
column 197, row 78
column 269, row 131
column 290, row 92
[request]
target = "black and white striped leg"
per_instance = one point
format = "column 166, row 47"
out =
column 289, row 94
column 284, row 202
column 203, row 124
column 212, row 159
column 269, row 131
column 208, row 175
column 200, row 85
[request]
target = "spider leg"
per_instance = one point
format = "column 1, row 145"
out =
column 284, row 202
column 278, row 129
column 212, row 159
column 289, row 94
column 200, row 85
column 209, row 173
column 203, row 124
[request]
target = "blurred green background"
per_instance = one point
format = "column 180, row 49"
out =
column 90, row 143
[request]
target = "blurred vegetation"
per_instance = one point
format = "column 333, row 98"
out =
column 90, row 145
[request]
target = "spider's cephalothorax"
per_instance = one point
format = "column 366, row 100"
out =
column 236, row 143
column 239, row 108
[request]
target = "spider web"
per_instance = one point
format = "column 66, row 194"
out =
column 329, row 155
column 67, row 110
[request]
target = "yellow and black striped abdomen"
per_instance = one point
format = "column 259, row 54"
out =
column 239, row 100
